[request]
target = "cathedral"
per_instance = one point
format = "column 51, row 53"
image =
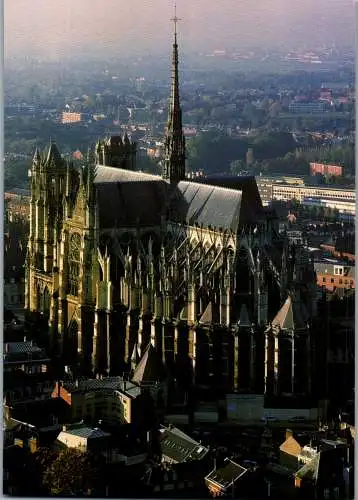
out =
column 119, row 261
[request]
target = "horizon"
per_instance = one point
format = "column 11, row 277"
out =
column 69, row 29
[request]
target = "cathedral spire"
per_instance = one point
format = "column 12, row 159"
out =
column 174, row 144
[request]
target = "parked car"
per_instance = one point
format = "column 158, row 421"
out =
column 268, row 418
column 298, row 419
column 250, row 464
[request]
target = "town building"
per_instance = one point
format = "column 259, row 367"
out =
column 224, row 481
column 112, row 400
column 341, row 199
column 332, row 275
column 83, row 438
column 329, row 170
column 25, row 356
column 119, row 259
column 308, row 107
column 70, row 117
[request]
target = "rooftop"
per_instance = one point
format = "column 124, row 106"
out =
column 179, row 447
column 107, row 383
column 82, row 431
column 227, row 475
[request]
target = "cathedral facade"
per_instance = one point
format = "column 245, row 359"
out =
column 118, row 260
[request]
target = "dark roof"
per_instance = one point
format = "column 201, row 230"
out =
column 244, row 320
column 179, row 447
column 108, row 384
column 150, row 368
column 206, row 205
column 127, row 198
column 40, row 413
column 54, row 155
column 345, row 244
column 251, row 204
column 227, row 475
column 83, row 431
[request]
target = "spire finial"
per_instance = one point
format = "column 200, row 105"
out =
column 175, row 20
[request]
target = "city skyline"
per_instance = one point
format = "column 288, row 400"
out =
column 117, row 26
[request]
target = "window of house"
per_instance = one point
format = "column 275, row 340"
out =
column 340, row 282
column 332, row 280
column 324, row 280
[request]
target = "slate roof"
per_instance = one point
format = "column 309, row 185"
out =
column 40, row 413
column 83, row 431
column 206, row 205
column 290, row 317
column 107, row 383
column 227, row 475
column 54, row 154
column 251, row 205
column 128, row 199
column 328, row 268
column 21, row 347
column 150, row 368
column 179, row 447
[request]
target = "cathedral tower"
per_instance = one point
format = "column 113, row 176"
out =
column 174, row 145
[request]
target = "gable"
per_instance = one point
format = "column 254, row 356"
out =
column 291, row 447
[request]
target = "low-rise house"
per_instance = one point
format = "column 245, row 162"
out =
column 335, row 275
column 223, row 482
column 25, row 356
column 177, row 447
column 181, row 463
column 83, row 437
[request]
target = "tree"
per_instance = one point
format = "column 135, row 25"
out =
column 75, row 473
column 237, row 166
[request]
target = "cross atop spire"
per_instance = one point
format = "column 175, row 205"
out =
column 175, row 20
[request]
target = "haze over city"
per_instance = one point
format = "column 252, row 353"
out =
column 54, row 30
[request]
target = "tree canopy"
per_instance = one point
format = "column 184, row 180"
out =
column 74, row 473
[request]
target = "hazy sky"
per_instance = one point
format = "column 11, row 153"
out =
column 55, row 27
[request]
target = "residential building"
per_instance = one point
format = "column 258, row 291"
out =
column 177, row 447
column 69, row 117
column 84, row 438
column 335, row 274
column 321, row 168
column 224, row 481
column 25, row 356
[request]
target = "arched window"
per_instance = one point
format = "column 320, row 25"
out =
column 46, row 302
column 74, row 264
